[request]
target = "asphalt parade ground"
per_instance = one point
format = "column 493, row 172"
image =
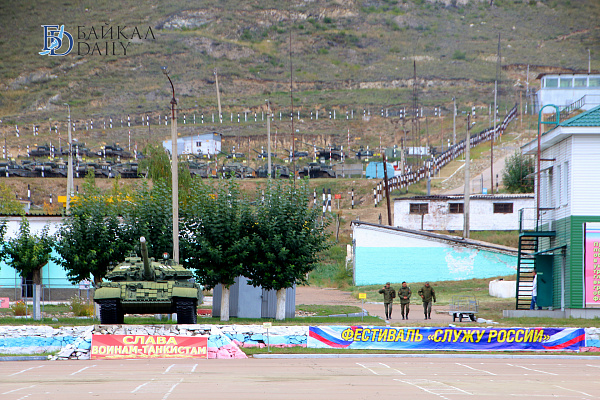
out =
column 347, row 378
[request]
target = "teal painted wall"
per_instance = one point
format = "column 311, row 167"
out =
column 377, row 265
column 53, row 275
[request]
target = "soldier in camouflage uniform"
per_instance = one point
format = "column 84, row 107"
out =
column 404, row 295
column 388, row 299
column 427, row 293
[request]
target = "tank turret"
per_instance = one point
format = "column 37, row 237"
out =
column 148, row 270
column 142, row 285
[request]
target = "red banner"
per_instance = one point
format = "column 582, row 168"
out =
column 148, row 346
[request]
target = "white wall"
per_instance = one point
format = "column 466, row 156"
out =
column 559, row 195
column 482, row 215
column 584, row 172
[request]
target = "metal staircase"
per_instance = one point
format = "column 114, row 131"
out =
column 530, row 234
column 528, row 247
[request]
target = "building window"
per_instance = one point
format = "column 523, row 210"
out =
column 559, row 185
column 565, row 183
column 198, row 144
column 456, row 208
column 580, row 82
column 419, row 208
column 566, row 82
column 551, row 82
column 594, row 82
column 503, row 208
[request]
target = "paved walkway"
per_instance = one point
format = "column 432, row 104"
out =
column 330, row 296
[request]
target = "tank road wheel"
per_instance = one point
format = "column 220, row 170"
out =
column 186, row 311
column 109, row 312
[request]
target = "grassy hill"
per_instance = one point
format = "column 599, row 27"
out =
column 346, row 53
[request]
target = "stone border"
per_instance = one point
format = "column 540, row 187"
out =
column 224, row 341
column 75, row 342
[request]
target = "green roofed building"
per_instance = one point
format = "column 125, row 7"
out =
column 565, row 245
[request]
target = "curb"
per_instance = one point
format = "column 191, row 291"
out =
column 480, row 356
column 24, row 358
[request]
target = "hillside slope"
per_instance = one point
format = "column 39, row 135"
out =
column 355, row 53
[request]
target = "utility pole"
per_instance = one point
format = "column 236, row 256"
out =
column 454, row 123
column 218, row 96
column 387, row 189
column 494, row 113
column 174, row 171
column 268, row 139
column 70, row 164
column 589, row 61
column 466, row 227
column 292, row 104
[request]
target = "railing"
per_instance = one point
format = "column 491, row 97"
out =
column 528, row 220
column 430, row 166
column 16, row 290
column 592, row 99
column 564, row 113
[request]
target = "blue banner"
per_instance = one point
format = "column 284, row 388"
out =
column 451, row 338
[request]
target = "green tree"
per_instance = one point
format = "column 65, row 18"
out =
column 92, row 237
column 149, row 213
column 156, row 163
column 3, row 228
column 158, row 166
column 517, row 175
column 216, row 222
column 8, row 203
column 286, row 239
column 29, row 253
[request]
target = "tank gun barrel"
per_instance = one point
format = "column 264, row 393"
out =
column 148, row 271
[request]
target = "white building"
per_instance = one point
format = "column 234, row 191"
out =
column 569, row 211
column 487, row 212
column 206, row 143
column 563, row 90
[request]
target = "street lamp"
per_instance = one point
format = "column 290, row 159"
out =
column 69, row 165
column 174, row 171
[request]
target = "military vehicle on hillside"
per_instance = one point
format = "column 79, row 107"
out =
column 316, row 170
column 142, row 285
column 40, row 151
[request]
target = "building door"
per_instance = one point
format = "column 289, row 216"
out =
column 545, row 279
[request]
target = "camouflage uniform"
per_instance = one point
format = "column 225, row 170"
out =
column 388, row 300
column 427, row 293
column 404, row 303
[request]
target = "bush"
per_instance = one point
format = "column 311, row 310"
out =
column 80, row 307
column 517, row 172
column 19, row 308
column 459, row 55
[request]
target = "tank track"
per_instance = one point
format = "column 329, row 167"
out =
column 186, row 311
column 111, row 312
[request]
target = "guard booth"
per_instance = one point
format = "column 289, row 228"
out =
column 247, row 301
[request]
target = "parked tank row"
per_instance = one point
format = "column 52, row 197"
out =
column 58, row 168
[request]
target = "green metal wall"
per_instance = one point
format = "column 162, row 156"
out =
column 575, row 259
column 569, row 231
column 563, row 237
